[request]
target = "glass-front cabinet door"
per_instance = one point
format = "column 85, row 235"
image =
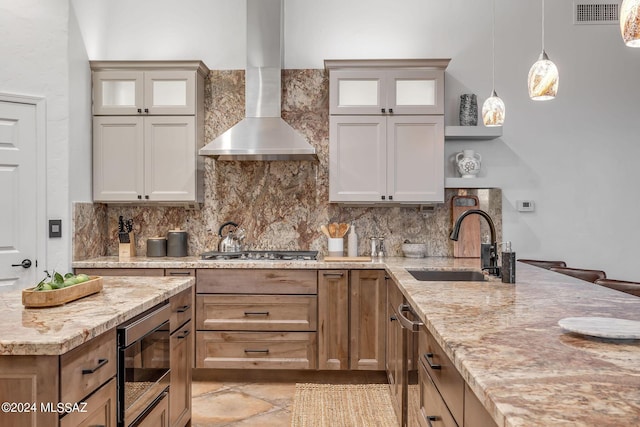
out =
column 388, row 92
column 415, row 92
column 357, row 92
column 127, row 93
column 170, row 92
column 118, row 93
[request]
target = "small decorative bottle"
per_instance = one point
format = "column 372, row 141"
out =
column 352, row 242
column 508, row 270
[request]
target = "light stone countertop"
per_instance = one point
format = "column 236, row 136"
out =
column 505, row 340
column 56, row 330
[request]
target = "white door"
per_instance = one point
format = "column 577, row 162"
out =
column 18, row 196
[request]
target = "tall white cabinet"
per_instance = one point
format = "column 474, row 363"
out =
column 148, row 124
column 386, row 131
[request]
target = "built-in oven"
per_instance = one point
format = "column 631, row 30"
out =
column 410, row 328
column 143, row 364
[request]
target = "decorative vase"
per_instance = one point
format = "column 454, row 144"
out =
column 468, row 109
column 468, row 162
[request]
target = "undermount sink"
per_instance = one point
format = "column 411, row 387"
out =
column 447, row 276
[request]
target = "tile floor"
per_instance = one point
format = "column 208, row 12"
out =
column 229, row 404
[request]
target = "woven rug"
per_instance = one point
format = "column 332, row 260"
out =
column 343, row 405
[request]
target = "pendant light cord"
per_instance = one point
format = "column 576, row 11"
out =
column 543, row 25
column 493, row 48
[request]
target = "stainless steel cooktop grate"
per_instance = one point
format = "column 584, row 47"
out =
column 267, row 255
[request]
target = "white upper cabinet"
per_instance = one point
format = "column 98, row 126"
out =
column 386, row 131
column 148, row 126
column 355, row 90
column 132, row 92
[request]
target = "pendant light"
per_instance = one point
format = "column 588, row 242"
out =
column 543, row 75
column 630, row 22
column 493, row 108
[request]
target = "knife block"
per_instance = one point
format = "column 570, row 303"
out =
column 127, row 250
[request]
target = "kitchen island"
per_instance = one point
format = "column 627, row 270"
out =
column 63, row 365
column 57, row 330
column 504, row 339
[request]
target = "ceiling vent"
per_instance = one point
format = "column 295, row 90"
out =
column 596, row 13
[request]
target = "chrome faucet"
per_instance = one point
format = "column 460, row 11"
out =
column 489, row 252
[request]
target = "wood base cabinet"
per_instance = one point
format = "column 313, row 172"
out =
column 256, row 319
column 181, row 357
column 84, row 374
column 351, row 320
column 445, row 398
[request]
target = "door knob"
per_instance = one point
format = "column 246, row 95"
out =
column 26, row 263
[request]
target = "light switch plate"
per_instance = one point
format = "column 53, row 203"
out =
column 55, row 228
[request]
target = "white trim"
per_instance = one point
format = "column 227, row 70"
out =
column 41, row 177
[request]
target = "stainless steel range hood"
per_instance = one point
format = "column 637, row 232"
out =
column 262, row 134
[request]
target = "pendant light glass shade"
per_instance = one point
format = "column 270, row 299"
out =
column 630, row 22
column 543, row 79
column 493, row 111
column 543, row 75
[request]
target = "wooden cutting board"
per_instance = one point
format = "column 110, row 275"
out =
column 468, row 244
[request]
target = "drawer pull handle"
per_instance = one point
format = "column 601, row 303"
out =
column 431, row 418
column 333, row 274
column 184, row 334
column 265, row 351
column 392, row 318
column 428, row 357
column 101, row 363
column 179, row 273
column 183, row 308
column 256, row 313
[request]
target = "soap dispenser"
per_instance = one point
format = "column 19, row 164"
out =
column 508, row 270
column 352, row 242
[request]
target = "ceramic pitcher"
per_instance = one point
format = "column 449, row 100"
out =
column 468, row 162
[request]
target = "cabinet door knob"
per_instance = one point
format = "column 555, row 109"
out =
column 382, row 110
column 390, row 197
column 390, row 110
column 139, row 110
column 146, row 110
column 146, row 196
column 139, row 197
column 383, row 197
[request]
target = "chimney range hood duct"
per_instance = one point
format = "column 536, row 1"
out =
column 262, row 134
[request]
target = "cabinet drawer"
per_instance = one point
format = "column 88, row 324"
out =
column 256, row 350
column 261, row 281
column 433, row 411
column 257, row 313
column 87, row 367
column 181, row 308
column 99, row 411
column 445, row 376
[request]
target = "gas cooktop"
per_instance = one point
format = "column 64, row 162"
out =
column 268, row 255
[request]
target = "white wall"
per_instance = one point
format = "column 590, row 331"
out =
column 34, row 54
column 573, row 156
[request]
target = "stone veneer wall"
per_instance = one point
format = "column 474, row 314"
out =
column 280, row 204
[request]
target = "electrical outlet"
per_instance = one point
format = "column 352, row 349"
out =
column 525, row 205
column 55, row 228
